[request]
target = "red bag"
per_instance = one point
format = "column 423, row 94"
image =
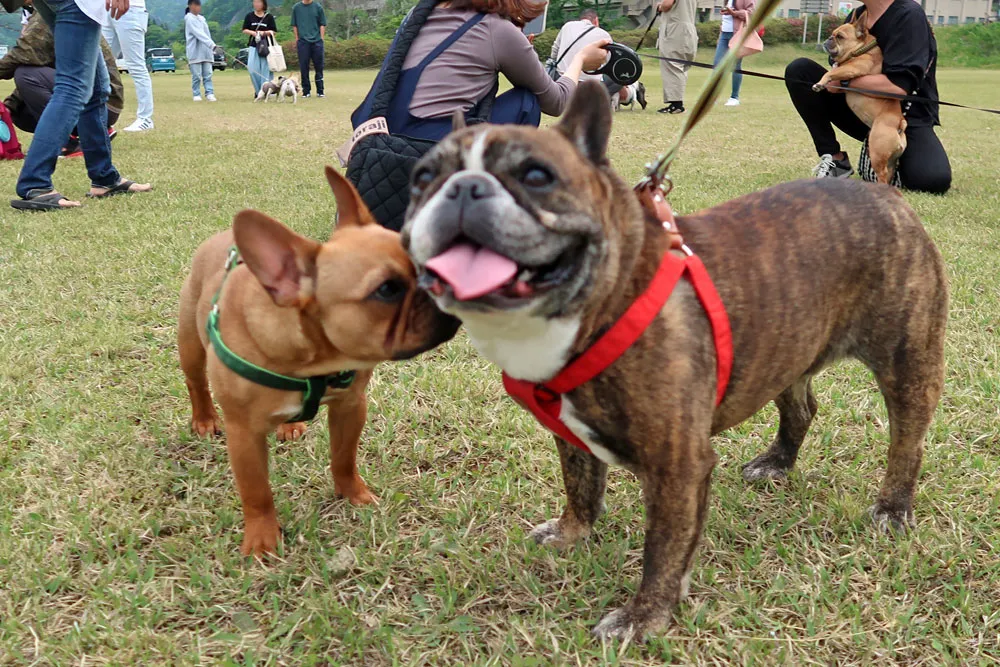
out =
column 11, row 149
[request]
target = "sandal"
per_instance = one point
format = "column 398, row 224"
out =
column 33, row 201
column 123, row 188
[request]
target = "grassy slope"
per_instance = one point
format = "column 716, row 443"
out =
column 119, row 531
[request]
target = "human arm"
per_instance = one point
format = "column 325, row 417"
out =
column 665, row 5
column 199, row 30
column 742, row 15
column 322, row 22
column 295, row 23
column 34, row 48
column 906, row 51
column 556, row 45
column 876, row 82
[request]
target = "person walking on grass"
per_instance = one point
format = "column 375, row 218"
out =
column 127, row 36
column 679, row 40
column 734, row 16
column 79, row 99
column 309, row 25
column 260, row 26
column 200, row 51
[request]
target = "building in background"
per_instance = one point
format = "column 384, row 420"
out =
column 939, row 12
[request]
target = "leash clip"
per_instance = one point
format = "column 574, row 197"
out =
column 232, row 258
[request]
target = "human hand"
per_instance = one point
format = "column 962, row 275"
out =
column 726, row 11
column 531, row 39
column 665, row 5
column 594, row 55
column 118, row 8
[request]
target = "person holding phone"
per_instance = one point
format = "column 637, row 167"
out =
column 734, row 16
column 679, row 40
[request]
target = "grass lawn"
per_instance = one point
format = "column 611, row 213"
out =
column 119, row 531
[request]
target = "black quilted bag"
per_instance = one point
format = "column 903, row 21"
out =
column 380, row 164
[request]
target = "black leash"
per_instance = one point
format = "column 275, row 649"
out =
column 648, row 28
column 863, row 91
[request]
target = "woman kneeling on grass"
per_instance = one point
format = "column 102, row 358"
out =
column 909, row 66
column 200, row 50
column 260, row 26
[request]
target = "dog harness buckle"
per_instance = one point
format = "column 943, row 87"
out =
column 652, row 192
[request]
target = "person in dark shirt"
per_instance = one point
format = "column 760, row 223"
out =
column 259, row 26
column 909, row 67
column 309, row 24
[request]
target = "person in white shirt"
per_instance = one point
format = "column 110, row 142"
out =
column 573, row 37
column 79, row 99
column 127, row 36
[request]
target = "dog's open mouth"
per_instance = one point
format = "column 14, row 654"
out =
column 472, row 271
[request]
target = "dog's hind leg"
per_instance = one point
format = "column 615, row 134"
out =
column 585, row 477
column 796, row 409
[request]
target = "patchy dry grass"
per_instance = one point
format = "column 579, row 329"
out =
column 119, row 532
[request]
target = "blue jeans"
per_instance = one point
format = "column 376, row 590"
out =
column 78, row 100
column 127, row 35
column 259, row 71
column 311, row 52
column 721, row 49
column 201, row 72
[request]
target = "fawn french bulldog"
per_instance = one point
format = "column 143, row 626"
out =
column 301, row 309
column 533, row 241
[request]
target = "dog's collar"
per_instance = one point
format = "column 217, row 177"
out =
column 544, row 399
column 312, row 388
column 863, row 49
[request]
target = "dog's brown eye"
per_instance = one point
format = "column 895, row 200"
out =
column 391, row 291
column 537, row 177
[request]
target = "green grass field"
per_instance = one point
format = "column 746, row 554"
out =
column 119, row 531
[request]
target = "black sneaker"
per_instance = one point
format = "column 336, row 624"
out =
column 321, row 95
column 307, row 95
column 673, row 107
column 640, row 95
column 830, row 168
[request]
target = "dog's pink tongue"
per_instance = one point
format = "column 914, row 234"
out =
column 471, row 271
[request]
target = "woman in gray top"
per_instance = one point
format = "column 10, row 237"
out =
column 461, row 76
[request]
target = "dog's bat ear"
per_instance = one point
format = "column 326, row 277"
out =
column 587, row 121
column 351, row 209
column 282, row 261
column 457, row 120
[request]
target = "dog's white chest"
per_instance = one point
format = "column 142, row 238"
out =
column 568, row 416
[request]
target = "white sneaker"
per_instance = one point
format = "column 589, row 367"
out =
column 140, row 125
column 732, row 102
column 210, row 98
column 197, row 98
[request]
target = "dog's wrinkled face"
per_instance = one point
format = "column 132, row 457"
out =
column 510, row 218
column 359, row 288
column 845, row 40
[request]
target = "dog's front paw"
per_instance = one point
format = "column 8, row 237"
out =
column 556, row 533
column 206, row 427
column 291, row 431
column 355, row 490
column 261, row 537
column 626, row 624
column 819, row 87
column 763, row 468
column 892, row 520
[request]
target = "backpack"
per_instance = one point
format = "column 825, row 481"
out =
column 11, row 149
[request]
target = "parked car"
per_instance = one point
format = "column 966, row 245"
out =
column 120, row 64
column 242, row 58
column 220, row 61
column 161, row 60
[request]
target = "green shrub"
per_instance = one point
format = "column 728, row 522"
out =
column 972, row 45
column 354, row 53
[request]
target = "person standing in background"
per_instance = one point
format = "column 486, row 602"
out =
column 127, row 36
column 200, row 51
column 259, row 25
column 678, row 39
column 309, row 25
column 734, row 17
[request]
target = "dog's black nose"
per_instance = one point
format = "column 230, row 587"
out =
column 470, row 188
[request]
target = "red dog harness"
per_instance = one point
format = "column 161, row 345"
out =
column 544, row 399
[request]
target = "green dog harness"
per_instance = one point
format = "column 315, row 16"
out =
column 313, row 388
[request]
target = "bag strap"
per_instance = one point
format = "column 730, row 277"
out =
column 570, row 47
column 451, row 39
column 393, row 65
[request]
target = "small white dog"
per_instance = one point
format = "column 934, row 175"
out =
column 281, row 87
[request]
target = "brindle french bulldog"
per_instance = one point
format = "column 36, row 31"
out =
column 520, row 233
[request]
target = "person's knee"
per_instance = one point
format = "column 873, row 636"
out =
column 931, row 181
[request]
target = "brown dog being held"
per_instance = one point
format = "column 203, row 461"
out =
column 299, row 308
column 887, row 139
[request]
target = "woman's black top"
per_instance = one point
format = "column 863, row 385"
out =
column 258, row 23
column 909, row 57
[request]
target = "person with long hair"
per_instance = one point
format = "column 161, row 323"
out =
column 261, row 28
column 734, row 17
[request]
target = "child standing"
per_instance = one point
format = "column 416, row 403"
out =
column 200, row 50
